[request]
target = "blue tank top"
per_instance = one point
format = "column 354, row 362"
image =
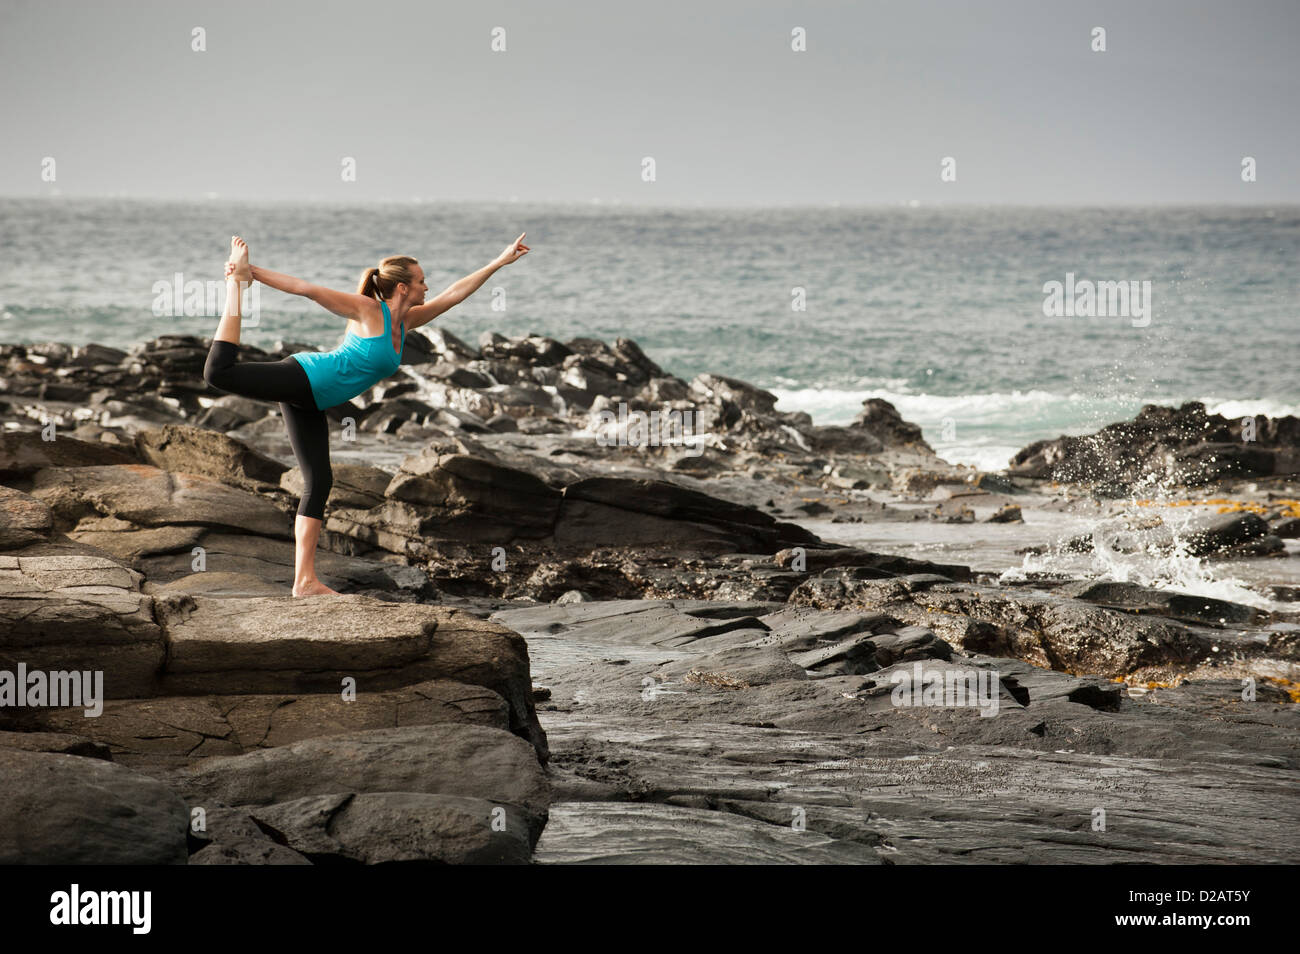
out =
column 354, row 366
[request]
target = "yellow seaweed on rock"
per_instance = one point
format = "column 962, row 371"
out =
column 1292, row 689
column 1290, row 508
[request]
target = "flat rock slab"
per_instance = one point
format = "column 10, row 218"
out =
column 253, row 645
column 607, row 833
column 272, row 561
column 286, row 645
column 621, row 622
column 917, row 804
column 218, row 584
column 467, row 760
column 68, row 810
column 177, row 732
column 57, row 742
column 82, row 613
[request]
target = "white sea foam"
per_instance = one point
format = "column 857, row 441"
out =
column 1170, row 568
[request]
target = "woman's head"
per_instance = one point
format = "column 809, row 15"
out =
column 383, row 280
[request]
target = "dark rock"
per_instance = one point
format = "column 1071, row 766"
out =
column 68, row 810
column 1163, row 446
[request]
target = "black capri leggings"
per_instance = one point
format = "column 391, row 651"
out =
column 284, row 381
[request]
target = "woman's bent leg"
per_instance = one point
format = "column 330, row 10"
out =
column 309, row 437
column 283, row 380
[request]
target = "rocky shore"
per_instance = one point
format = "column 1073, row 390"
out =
column 572, row 631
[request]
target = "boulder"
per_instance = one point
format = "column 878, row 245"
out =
column 23, row 519
column 179, row 448
column 68, row 810
column 388, row 827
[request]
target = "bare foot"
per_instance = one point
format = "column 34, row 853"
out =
column 312, row 588
column 239, row 258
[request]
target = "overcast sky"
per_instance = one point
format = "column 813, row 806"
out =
column 710, row 89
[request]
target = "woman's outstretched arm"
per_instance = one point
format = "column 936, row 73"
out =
column 284, row 283
column 346, row 304
column 458, row 291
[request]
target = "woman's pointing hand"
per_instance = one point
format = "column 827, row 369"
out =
column 514, row 251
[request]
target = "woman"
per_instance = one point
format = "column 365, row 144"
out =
column 389, row 301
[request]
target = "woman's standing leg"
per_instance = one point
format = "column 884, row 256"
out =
column 309, row 434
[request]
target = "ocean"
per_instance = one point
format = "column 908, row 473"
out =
column 938, row 310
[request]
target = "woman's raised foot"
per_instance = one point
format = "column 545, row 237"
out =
column 239, row 258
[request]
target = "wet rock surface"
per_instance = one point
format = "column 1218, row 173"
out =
column 570, row 634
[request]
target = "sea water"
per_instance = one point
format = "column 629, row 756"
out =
column 937, row 310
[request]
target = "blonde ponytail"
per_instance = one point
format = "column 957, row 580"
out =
column 380, row 281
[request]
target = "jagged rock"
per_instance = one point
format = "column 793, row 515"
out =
column 1164, row 446
column 617, row 511
column 817, row 560
column 1047, row 630
column 1007, row 513
column 718, row 389
column 881, row 419
column 472, row 498
column 447, row 346
column 232, row 411
column 231, row 837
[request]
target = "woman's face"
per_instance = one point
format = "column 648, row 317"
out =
column 415, row 291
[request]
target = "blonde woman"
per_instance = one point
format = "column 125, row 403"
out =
column 388, row 303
